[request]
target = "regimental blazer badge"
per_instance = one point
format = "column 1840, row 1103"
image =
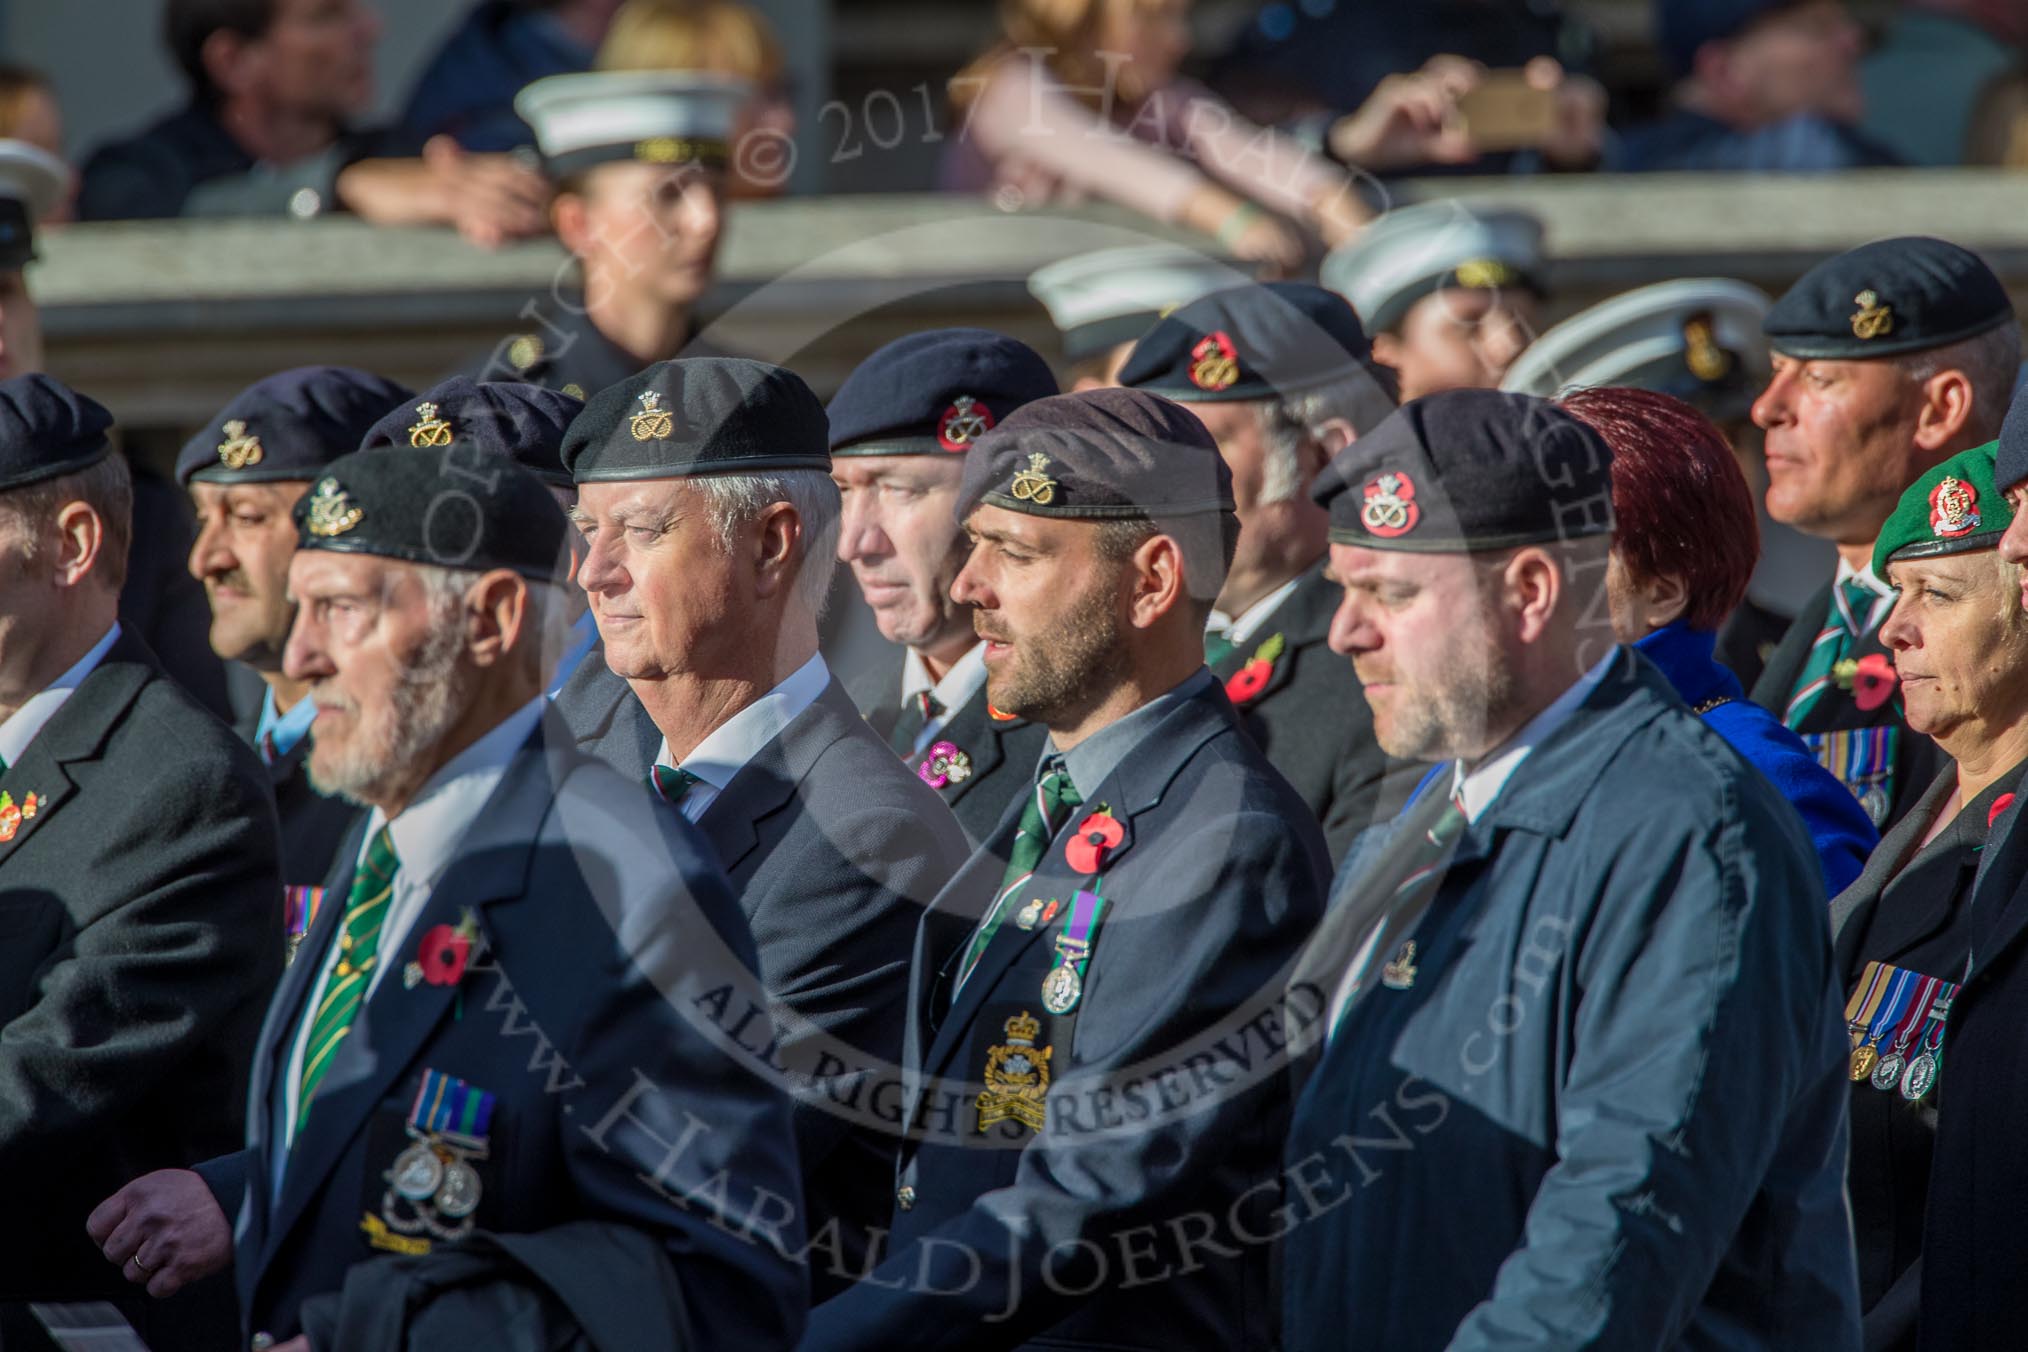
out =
column 653, row 422
column 429, row 429
column 240, row 449
column 1016, row 1077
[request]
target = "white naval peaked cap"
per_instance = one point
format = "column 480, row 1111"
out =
column 32, row 182
column 656, row 117
column 1413, row 251
column 1101, row 299
column 1698, row 338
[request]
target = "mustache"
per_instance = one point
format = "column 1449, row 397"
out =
column 235, row 578
column 324, row 697
column 991, row 633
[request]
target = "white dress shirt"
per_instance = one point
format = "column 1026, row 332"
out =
column 1238, row 629
column 951, row 693
column 739, row 739
column 22, row 725
column 426, row 838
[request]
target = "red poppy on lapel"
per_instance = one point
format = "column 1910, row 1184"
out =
column 1095, row 836
column 1873, row 683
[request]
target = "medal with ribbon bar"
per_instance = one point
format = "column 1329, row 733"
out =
column 433, row 1186
column 1064, row 986
column 1887, row 1071
column 1922, row 1072
column 1887, row 1016
column 1859, row 1012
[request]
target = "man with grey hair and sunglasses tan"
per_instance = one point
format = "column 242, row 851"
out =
column 710, row 525
column 1282, row 375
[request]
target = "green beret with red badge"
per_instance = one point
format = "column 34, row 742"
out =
column 1953, row 509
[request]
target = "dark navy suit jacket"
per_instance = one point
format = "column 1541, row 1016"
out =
column 1167, row 1095
column 606, row 925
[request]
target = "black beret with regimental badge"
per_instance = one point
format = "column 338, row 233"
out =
column 48, row 429
column 455, row 506
column 704, row 415
column 1470, row 470
column 1259, row 341
column 935, row 393
column 1888, row 298
column 288, row 426
column 524, row 421
column 1109, row 454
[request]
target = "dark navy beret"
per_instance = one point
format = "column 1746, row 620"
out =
column 1251, row 342
column 1888, row 298
column 1683, row 26
column 455, row 506
column 1470, row 470
column 47, row 429
column 288, row 426
column 1098, row 454
column 696, row 416
column 524, row 421
column 2012, row 465
column 935, row 393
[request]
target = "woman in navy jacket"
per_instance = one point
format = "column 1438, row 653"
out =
column 1684, row 546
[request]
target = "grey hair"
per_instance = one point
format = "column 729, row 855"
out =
column 733, row 501
column 1990, row 361
column 549, row 616
column 1285, row 435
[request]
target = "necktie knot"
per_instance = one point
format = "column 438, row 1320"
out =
column 671, row 782
column 1859, row 599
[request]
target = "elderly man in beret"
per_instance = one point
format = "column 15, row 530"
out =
column 1905, row 931
column 710, row 526
column 521, row 420
column 395, row 1108
column 1283, row 377
column 244, row 471
column 1888, row 360
column 1972, row 1246
column 1081, row 1170
column 139, row 932
column 901, row 426
column 1584, row 1083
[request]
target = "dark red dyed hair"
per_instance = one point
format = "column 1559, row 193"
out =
column 1681, row 504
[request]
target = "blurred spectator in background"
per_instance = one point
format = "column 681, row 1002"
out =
column 467, row 90
column 32, row 182
column 1103, row 301
column 1449, row 296
column 29, row 113
column 639, row 161
column 1763, row 86
column 1939, row 64
column 1081, row 99
column 718, row 37
column 274, row 86
column 1320, row 69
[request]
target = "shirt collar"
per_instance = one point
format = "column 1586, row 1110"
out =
column 1864, row 576
column 1243, row 626
column 24, row 723
column 286, row 729
column 958, row 685
column 1092, row 761
column 740, row 738
column 429, row 830
column 1480, row 786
